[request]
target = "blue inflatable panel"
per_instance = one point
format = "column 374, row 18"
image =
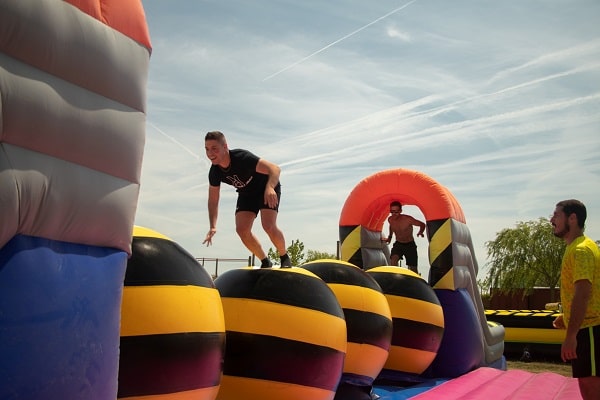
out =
column 461, row 349
column 60, row 309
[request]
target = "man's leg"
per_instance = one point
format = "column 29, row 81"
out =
column 411, row 256
column 589, row 387
column 243, row 227
column 588, row 361
column 269, row 223
column 395, row 255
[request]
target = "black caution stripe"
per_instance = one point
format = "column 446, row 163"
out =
column 540, row 319
column 282, row 360
column 369, row 328
column 340, row 272
column 394, row 282
column 350, row 244
column 159, row 364
column 440, row 248
column 285, row 286
column 157, row 261
column 416, row 335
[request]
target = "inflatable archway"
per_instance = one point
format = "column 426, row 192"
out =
column 469, row 341
column 367, row 207
column 72, row 127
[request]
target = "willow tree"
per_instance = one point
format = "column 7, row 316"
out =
column 524, row 257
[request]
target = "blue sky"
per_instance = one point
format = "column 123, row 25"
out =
column 497, row 101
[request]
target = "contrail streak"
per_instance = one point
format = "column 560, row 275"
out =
column 339, row 40
column 171, row 138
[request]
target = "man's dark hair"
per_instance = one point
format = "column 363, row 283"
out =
column 396, row 203
column 576, row 207
column 215, row 135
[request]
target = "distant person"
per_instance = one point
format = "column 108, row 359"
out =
column 579, row 296
column 401, row 225
column 259, row 191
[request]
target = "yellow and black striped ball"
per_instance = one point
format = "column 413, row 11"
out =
column 172, row 324
column 418, row 322
column 286, row 335
column 367, row 314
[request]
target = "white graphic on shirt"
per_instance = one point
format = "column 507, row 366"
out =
column 236, row 182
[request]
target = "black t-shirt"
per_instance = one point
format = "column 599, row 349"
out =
column 240, row 174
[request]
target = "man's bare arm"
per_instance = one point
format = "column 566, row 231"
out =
column 214, row 193
column 273, row 171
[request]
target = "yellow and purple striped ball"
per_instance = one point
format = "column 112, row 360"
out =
column 367, row 314
column 418, row 322
column 286, row 335
column 172, row 324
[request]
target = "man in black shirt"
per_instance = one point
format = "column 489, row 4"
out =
column 257, row 182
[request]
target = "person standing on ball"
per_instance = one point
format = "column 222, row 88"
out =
column 579, row 296
column 257, row 183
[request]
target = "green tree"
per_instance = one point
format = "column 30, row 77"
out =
column 294, row 250
column 523, row 257
column 313, row 255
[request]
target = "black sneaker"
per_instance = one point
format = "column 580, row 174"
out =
column 286, row 263
column 266, row 264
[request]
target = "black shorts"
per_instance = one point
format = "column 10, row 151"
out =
column 255, row 201
column 587, row 362
column 408, row 250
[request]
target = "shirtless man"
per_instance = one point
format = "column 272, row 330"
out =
column 401, row 225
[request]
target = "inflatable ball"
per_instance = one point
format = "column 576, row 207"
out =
column 368, row 320
column 418, row 322
column 286, row 335
column 172, row 324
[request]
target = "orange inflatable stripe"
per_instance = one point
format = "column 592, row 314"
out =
column 367, row 205
column 237, row 388
column 364, row 359
column 409, row 360
column 125, row 16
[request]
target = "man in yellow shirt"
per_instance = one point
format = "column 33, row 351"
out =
column 580, row 296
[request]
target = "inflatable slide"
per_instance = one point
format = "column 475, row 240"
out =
column 469, row 341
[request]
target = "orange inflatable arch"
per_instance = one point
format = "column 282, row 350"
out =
column 367, row 207
column 368, row 203
column 453, row 272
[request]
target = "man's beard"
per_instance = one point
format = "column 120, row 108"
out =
column 561, row 234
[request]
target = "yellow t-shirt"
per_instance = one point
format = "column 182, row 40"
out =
column 581, row 261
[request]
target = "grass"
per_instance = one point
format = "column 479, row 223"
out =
column 537, row 367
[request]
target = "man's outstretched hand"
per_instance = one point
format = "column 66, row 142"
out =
column 209, row 236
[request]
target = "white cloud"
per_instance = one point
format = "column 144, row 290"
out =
column 495, row 103
column 395, row 33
